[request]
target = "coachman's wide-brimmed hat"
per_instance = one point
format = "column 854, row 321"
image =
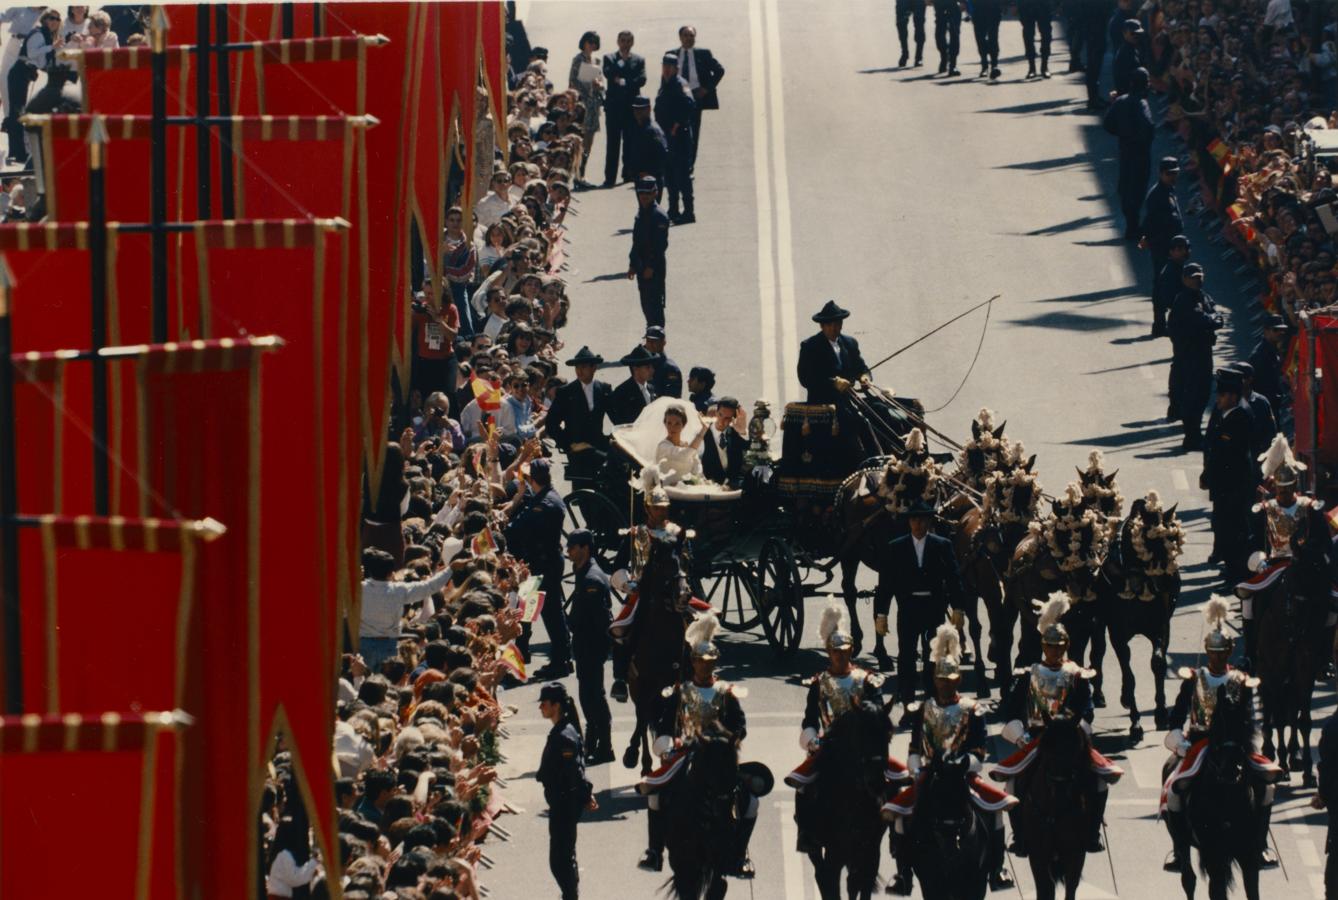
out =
column 830, row 312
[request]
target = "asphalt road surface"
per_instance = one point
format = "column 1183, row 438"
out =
column 830, row 173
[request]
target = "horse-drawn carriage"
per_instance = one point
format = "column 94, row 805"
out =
column 758, row 547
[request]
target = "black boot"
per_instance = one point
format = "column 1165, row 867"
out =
column 942, row 64
column 905, row 57
column 919, row 55
column 602, row 750
column 653, row 859
column 1267, row 858
column 1031, row 69
column 903, row 881
column 1019, row 845
column 1094, row 844
column 805, row 843
column 1045, row 67
column 1000, row 880
column 1175, row 826
column 743, row 866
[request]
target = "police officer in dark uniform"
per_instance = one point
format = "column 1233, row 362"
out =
column 1228, row 462
column 650, row 239
column 1095, row 16
column 1265, row 423
column 647, row 150
column 566, row 790
column 1327, row 798
column 920, row 570
column 1128, row 57
column 575, row 421
column 947, row 35
column 1129, row 118
column 1161, row 222
column 1193, row 324
column 535, row 536
column 591, row 614
column 1036, row 15
column 1267, row 361
column 1167, row 285
column 674, row 111
column 668, row 378
column 701, row 388
column 908, row 10
column 985, row 18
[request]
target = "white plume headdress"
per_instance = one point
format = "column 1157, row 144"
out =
column 833, row 620
column 701, row 633
column 1048, row 624
column 1279, row 454
column 945, row 651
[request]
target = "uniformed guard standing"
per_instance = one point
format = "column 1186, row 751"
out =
column 674, row 111
column 1191, row 720
column 535, row 536
column 1265, row 423
column 568, row 794
column 908, row 11
column 1227, row 476
column 1164, row 291
column 647, row 148
column 1095, row 16
column 668, row 378
column 591, row 615
column 947, row 35
column 1036, row 15
column 986, row 16
column 1129, row 118
column 1267, row 361
column 1193, row 322
column 945, row 725
column 1161, row 223
column 650, row 240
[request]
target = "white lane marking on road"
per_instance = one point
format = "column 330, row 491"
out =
column 794, row 865
column 789, row 334
column 1179, row 479
column 766, row 277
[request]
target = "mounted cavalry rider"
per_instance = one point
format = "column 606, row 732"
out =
column 832, row 693
column 1190, row 722
column 1286, row 522
column 945, row 725
column 690, row 709
column 1048, row 688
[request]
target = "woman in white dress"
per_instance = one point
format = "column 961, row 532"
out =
column 679, row 461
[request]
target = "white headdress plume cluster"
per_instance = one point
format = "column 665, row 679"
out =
column 1215, row 613
column 947, row 644
column 703, row 629
column 985, row 418
column 915, row 441
column 1279, row 454
column 833, row 619
column 1052, row 611
column 1094, row 460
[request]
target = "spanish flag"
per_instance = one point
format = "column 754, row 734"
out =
column 531, row 599
column 482, row 544
column 512, row 661
column 1220, row 151
column 487, row 393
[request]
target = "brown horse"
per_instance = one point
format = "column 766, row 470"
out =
column 656, row 636
column 1137, row 594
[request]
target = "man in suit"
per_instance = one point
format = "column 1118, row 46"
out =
column 575, row 421
column 1228, row 475
column 624, row 77
column 722, row 450
column 534, row 535
column 636, row 393
column 920, row 570
column 699, row 68
column 830, row 362
column 646, row 262
column 668, row 378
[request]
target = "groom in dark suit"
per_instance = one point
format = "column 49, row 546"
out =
column 920, row 570
column 699, row 68
column 722, row 450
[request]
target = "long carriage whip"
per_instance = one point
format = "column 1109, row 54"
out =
column 895, row 353
column 1278, row 851
column 1110, row 858
column 1013, row 870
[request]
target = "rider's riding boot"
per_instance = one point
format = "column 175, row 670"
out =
column 901, row 851
column 1000, row 880
column 743, row 866
column 602, row 752
column 1267, row 858
column 1094, row 844
column 1019, row 845
column 1175, row 824
column 1251, row 636
column 619, row 690
column 880, row 654
column 653, row 859
column 802, row 801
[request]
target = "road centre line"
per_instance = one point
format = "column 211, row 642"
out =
column 766, row 277
column 794, row 865
column 789, row 334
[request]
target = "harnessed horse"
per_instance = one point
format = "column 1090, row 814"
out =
column 949, row 834
column 701, row 804
column 1056, row 809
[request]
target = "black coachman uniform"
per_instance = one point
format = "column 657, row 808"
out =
column 924, row 589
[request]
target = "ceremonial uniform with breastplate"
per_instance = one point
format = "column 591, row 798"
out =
column 1191, row 721
column 830, row 697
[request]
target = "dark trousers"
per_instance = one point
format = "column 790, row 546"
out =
column 562, row 848
column 696, row 137
column 1159, row 309
column 1073, row 28
column 622, row 659
column 986, row 25
column 1036, row 17
column 948, row 32
column 652, row 299
column 590, row 688
column 617, row 120
column 1135, row 167
column 911, row 11
column 1096, row 57
column 1191, row 385
column 555, row 618
column 1231, row 531
column 912, row 630
column 19, row 82
column 678, row 174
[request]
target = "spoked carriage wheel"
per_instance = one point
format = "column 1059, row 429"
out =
column 593, row 511
column 780, row 596
column 731, row 590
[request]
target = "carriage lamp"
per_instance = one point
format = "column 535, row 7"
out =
column 760, row 429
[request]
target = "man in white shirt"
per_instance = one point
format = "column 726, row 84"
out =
column 699, row 68
column 490, row 209
column 383, row 603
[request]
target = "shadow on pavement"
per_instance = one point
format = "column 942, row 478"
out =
column 1066, row 321
column 1095, row 297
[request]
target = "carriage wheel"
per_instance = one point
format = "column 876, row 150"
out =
column 731, row 591
column 592, row 510
column 780, row 596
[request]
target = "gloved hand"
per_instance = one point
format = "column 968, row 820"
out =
column 841, row 384
column 880, row 625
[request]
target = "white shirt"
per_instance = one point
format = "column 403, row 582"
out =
column 494, row 325
column 589, row 391
column 919, row 545
column 1278, row 13
column 645, row 392
column 383, row 603
column 352, row 751
column 470, row 417
column 687, row 67
column 836, row 348
column 286, row 874
column 489, row 211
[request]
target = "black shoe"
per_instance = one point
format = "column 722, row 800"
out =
column 1031, row 71
column 900, row 885
column 901, row 63
column 552, row 671
column 687, row 218
column 600, row 755
column 674, row 214
column 953, row 73
column 651, row 861
column 942, row 66
column 919, row 59
column 608, row 183
column 1018, row 848
column 742, row 869
column 1001, row 880
column 1095, row 845
column 1045, row 71
column 619, row 691
column 884, row 661
column 906, row 719
column 995, row 73
column 984, row 71
column 1172, row 863
column 1268, row 859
